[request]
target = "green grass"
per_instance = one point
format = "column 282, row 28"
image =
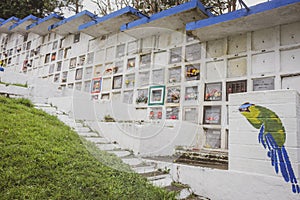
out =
column 15, row 84
column 41, row 158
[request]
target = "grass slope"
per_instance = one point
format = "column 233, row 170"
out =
column 41, row 158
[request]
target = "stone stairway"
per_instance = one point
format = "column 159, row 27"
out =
column 156, row 172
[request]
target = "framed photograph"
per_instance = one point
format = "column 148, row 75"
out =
column 192, row 72
column 212, row 138
column 142, row 96
column 131, row 63
column 78, row 74
column 173, row 94
column 172, row 113
column 117, row 82
column 72, row 63
column 96, row 85
column 156, row 95
column 236, row 87
column 212, row 115
column 81, row 60
column 213, row 92
column 191, row 93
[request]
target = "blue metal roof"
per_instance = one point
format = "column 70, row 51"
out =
column 40, row 21
column 11, row 19
column 2, row 20
column 28, row 18
column 168, row 13
column 111, row 22
column 69, row 19
column 239, row 14
column 112, row 15
column 7, row 23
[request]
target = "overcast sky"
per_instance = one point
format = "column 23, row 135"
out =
column 88, row 5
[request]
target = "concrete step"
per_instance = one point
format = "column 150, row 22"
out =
column 162, row 180
column 121, row 153
column 132, row 161
column 108, row 147
column 88, row 134
column 144, row 169
column 82, row 129
column 184, row 193
column 42, row 105
column 97, row 140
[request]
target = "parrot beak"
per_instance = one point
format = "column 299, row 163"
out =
column 245, row 107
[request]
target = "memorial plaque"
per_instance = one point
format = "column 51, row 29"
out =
column 145, row 61
column 193, row 52
column 128, row 97
column 120, row 52
column 191, row 93
column 175, row 55
column 158, row 76
column 175, row 75
column 212, row 115
column 144, row 78
column 213, row 138
column 172, row 113
column 261, row 84
column 190, row 114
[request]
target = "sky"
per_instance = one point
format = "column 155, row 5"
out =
column 90, row 6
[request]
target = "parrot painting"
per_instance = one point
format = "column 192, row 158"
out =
column 272, row 136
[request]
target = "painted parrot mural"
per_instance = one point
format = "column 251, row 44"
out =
column 272, row 136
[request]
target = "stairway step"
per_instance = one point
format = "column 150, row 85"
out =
column 42, row 105
column 121, row 153
column 98, row 140
column 108, row 147
column 132, row 161
column 184, row 193
column 88, row 134
column 163, row 182
column 82, row 129
column 144, row 169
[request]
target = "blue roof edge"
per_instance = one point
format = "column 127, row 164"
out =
column 85, row 12
column 13, row 18
column 2, row 20
column 165, row 13
column 29, row 17
column 262, row 7
column 112, row 15
column 53, row 15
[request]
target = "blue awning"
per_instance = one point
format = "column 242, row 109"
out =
column 110, row 23
column 260, row 16
column 171, row 19
column 41, row 26
column 7, row 23
column 21, row 25
column 71, row 24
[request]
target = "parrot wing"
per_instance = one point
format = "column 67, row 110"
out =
column 279, row 158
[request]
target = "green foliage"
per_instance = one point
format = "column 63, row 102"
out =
column 40, row 8
column 41, row 158
column 15, row 84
